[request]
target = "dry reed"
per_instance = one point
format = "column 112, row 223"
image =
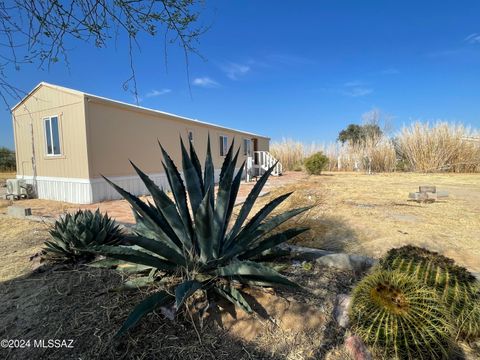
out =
column 418, row 147
column 439, row 147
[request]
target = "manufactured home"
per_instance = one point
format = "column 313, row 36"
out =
column 66, row 139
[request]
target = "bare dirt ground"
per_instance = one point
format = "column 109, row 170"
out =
column 369, row 214
column 357, row 213
column 83, row 305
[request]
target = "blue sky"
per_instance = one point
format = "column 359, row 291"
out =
column 302, row 70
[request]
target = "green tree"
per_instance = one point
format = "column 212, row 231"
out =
column 352, row 134
column 7, row 159
column 357, row 134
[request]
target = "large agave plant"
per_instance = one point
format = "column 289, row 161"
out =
column 74, row 233
column 192, row 235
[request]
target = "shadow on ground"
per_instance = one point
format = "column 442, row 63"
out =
column 326, row 232
column 79, row 304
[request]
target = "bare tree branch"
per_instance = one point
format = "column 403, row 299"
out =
column 37, row 31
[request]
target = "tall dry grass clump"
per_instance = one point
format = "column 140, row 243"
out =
column 371, row 155
column 439, row 147
column 289, row 152
column 378, row 155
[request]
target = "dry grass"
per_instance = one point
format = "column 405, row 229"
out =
column 420, row 147
column 442, row 146
column 348, row 157
column 19, row 240
column 352, row 212
column 7, row 175
column 290, row 153
column 81, row 304
column 369, row 214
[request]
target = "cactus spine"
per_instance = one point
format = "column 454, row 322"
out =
column 400, row 317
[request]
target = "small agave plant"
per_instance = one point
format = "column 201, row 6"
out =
column 74, row 234
column 193, row 238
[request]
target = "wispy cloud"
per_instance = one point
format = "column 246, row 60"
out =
column 205, row 82
column 473, row 38
column 351, row 88
column 356, row 89
column 235, row 70
column 155, row 93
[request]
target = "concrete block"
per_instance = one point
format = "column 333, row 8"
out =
column 18, row 211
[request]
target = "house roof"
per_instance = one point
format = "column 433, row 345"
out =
column 127, row 105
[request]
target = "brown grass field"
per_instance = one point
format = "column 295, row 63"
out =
column 369, row 214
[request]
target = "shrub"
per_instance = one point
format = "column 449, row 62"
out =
column 458, row 289
column 316, row 163
column 73, row 234
column 194, row 243
column 400, row 317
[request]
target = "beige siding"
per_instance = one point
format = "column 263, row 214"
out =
column 117, row 133
column 263, row 144
column 69, row 107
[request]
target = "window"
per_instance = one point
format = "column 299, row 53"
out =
column 52, row 136
column 247, row 147
column 190, row 136
column 223, row 145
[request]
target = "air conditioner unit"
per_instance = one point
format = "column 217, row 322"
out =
column 17, row 187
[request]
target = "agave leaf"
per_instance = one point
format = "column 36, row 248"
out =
column 263, row 213
column 234, row 192
column 132, row 255
column 58, row 245
column 131, row 268
column 204, row 229
column 136, row 283
column 168, row 217
column 160, row 249
column 254, row 281
column 120, row 265
column 223, row 204
column 146, row 306
column 248, row 204
column 107, row 263
column 245, row 241
column 272, row 241
column 253, row 271
column 227, row 160
column 197, row 166
column 178, row 190
column 193, row 181
column 142, row 208
column 185, row 290
column 234, row 296
column 209, row 176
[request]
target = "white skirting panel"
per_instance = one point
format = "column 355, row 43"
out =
column 72, row 190
column 89, row 191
